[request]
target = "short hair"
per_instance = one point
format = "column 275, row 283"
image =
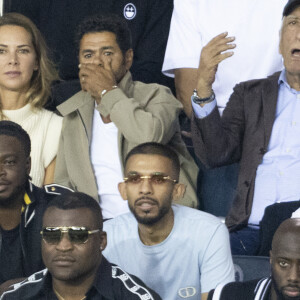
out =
column 13, row 129
column 40, row 86
column 73, row 200
column 156, row 149
column 109, row 22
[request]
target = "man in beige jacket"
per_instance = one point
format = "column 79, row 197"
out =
column 111, row 115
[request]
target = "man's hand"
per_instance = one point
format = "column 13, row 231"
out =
column 96, row 78
column 211, row 55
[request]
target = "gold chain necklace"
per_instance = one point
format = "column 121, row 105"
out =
column 60, row 297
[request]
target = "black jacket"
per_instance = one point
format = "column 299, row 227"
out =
column 31, row 224
column 111, row 283
column 249, row 290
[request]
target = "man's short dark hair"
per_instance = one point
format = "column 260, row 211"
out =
column 13, row 129
column 109, row 22
column 75, row 200
column 156, row 149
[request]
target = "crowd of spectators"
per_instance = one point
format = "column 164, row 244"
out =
column 96, row 155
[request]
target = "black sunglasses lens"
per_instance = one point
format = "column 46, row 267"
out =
column 78, row 236
column 51, row 236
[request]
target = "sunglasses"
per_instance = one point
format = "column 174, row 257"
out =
column 155, row 178
column 77, row 235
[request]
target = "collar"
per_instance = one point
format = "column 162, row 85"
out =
column 283, row 81
column 282, row 78
column 103, row 280
column 102, row 284
column 82, row 98
column 28, row 201
column 263, row 288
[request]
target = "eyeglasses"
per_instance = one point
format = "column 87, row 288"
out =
column 155, row 178
column 77, row 235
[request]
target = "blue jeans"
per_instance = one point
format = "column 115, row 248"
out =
column 245, row 241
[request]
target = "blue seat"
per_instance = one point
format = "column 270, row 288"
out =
column 251, row 267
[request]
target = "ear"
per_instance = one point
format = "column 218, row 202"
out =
column 178, row 191
column 271, row 257
column 28, row 165
column 103, row 241
column 36, row 66
column 122, row 190
column 128, row 59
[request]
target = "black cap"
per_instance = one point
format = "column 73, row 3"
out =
column 290, row 6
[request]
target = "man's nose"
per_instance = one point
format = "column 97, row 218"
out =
column 294, row 274
column 97, row 59
column 64, row 244
column 146, row 186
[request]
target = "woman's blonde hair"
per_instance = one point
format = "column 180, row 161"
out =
column 40, row 85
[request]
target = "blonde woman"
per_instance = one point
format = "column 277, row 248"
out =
column 26, row 74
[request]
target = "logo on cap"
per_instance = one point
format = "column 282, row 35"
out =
column 129, row 11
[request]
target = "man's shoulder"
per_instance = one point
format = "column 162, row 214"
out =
column 26, row 289
column 48, row 191
column 194, row 215
column 124, row 221
column 247, row 290
column 260, row 82
column 76, row 101
column 40, row 196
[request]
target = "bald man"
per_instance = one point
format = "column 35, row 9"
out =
column 284, row 282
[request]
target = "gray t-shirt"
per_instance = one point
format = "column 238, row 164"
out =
column 193, row 259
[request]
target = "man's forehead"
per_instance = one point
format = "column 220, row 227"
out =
column 145, row 162
column 10, row 144
column 288, row 245
column 55, row 217
column 97, row 37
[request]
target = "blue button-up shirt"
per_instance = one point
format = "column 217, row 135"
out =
column 278, row 176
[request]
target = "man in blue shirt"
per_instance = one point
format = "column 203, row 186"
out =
column 177, row 251
column 259, row 129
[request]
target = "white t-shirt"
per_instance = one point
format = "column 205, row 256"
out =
column 255, row 25
column 193, row 259
column 107, row 167
column 43, row 127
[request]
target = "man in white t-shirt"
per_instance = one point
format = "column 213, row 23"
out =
column 111, row 115
column 255, row 24
column 177, row 251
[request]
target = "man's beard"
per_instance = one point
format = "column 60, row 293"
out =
column 279, row 293
column 150, row 220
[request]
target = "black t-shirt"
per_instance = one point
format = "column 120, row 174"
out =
column 10, row 255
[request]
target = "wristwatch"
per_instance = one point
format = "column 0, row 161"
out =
column 196, row 99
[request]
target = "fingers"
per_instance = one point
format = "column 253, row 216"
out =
column 218, row 45
column 107, row 64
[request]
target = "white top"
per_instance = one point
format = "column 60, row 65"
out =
column 193, row 259
column 43, row 127
column 254, row 23
column 107, row 167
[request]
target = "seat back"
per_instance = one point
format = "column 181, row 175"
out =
column 251, row 267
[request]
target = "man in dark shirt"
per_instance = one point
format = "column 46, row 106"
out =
column 284, row 283
column 72, row 247
column 21, row 206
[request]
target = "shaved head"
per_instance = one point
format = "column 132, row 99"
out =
column 285, row 261
column 288, row 232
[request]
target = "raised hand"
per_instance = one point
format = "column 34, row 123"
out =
column 95, row 78
column 212, row 54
